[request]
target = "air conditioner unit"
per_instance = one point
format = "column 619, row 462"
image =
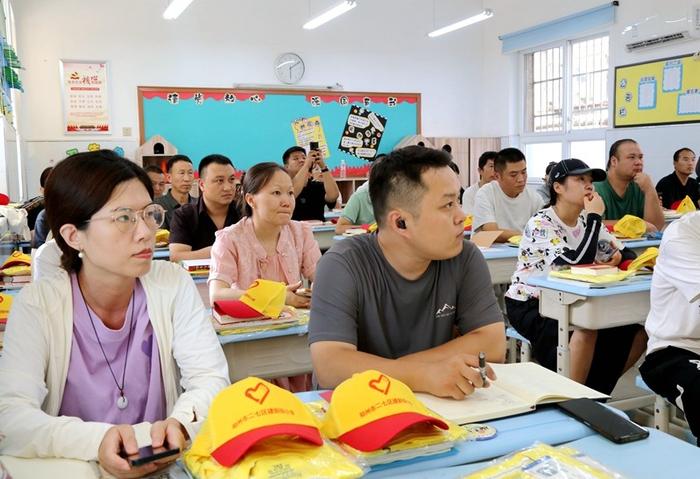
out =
column 665, row 29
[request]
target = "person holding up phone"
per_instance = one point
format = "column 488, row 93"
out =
column 311, row 196
column 568, row 233
column 112, row 342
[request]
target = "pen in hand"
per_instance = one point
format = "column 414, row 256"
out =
column 482, row 367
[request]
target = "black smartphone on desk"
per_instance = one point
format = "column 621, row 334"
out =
column 148, row 454
column 605, row 422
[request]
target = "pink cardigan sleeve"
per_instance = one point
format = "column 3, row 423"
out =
column 224, row 258
column 310, row 253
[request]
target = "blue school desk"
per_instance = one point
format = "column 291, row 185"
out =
column 658, row 456
column 331, row 215
column 590, row 308
column 267, row 354
column 161, row 253
column 640, row 459
column 324, row 235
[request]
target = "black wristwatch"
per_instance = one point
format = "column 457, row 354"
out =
column 324, row 170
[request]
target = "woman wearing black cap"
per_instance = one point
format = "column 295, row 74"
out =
column 570, row 232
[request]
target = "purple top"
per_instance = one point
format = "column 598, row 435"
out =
column 90, row 391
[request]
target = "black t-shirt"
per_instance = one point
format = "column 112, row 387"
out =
column 311, row 202
column 191, row 224
column 671, row 190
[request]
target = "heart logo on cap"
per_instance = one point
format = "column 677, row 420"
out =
column 381, row 384
column 258, row 393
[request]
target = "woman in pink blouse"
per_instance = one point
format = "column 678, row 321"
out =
column 265, row 244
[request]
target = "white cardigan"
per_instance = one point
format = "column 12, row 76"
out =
column 36, row 356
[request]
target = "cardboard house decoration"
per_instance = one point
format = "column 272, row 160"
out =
column 414, row 140
column 156, row 151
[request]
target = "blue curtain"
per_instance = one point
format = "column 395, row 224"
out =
column 558, row 29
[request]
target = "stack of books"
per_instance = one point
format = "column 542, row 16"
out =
column 225, row 322
column 594, row 269
column 198, row 268
column 16, row 281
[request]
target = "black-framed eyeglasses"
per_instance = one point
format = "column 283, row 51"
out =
column 126, row 218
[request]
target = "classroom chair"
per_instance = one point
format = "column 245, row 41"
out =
column 665, row 413
column 518, row 346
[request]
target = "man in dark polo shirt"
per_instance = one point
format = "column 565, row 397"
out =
column 676, row 186
column 181, row 176
column 311, row 195
column 193, row 227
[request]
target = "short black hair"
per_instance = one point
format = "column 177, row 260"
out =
column 174, row 159
column 396, row 179
column 44, row 176
column 215, row 158
column 153, row 169
column 507, row 155
column 83, row 184
column 678, row 152
column 485, row 157
column 616, row 146
column 288, row 152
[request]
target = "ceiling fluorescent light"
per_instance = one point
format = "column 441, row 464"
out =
column 488, row 13
column 329, row 15
column 175, row 8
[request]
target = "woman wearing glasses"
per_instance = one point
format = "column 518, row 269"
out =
column 114, row 339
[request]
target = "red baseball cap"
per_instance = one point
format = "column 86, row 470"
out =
column 247, row 412
column 370, row 409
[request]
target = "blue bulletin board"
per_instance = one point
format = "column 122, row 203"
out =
column 250, row 126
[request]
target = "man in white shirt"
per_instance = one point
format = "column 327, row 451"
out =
column 672, row 364
column 486, row 175
column 506, row 204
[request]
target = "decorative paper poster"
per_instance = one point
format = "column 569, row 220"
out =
column 248, row 125
column 307, row 130
column 362, row 133
column 85, row 97
column 659, row 92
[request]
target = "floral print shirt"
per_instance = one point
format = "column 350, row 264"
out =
column 547, row 238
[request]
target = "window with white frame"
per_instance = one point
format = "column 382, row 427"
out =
column 566, row 103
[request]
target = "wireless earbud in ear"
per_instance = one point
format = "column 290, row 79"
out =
column 401, row 224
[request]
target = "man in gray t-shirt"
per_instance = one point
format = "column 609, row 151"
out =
column 396, row 300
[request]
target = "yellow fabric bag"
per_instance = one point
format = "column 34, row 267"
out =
column 686, row 205
column 515, row 240
column 648, row 258
column 630, row 226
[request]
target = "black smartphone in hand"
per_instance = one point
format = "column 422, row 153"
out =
column 608, row 424
column 148, row 454
column 313, row 145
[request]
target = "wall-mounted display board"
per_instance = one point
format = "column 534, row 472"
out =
column 250, row 126
column 660, row 92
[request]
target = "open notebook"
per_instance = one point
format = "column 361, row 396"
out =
column 518, row 389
